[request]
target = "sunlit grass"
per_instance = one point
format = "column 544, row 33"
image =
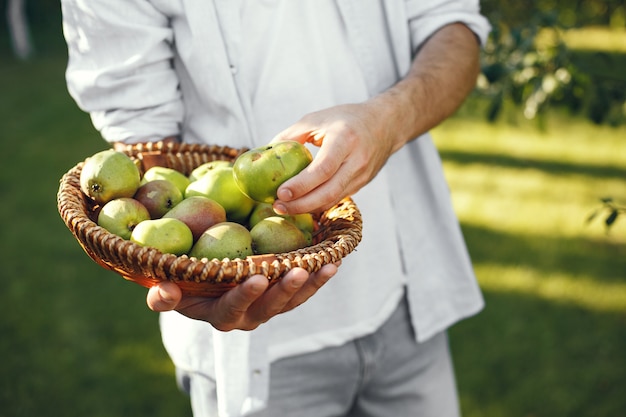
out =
column 589, row 38
column 596, row 39
column 529, row 201
column 551, row 339
column 580, row 291
column 564, row 139
column 533, row 182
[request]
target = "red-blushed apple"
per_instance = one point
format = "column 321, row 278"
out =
column 198, row 213
column 121, row 215
column 223, row 240
column 260, row 171
column 109, row 174
column 180, row 180
column 276, row 235
column 219, row 185
column 167, row 235
column 159, row 197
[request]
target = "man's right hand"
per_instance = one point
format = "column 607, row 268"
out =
column 246, row 306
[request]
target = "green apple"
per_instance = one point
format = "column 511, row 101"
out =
column 180, row 180
column 276, row 235
column 158, row 196
column 198, row 213
column 304, row 221
column 224, row 240
column 206, row 167
column 260, row 212
column 167, row 235
column 219, row 184
column 120, row 216
column 109, row 174
column 260, row 171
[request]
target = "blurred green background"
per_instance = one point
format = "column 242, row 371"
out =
column 528, row 157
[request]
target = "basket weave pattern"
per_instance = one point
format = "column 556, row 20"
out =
column 340, row 231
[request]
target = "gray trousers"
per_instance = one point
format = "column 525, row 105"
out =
column 385, row 374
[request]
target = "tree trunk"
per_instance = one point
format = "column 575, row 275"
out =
column 18, row 28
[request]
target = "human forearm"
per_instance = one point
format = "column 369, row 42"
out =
column 356, row 140
column 443, row 73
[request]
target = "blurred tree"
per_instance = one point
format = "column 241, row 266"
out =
column 516, row 66
column 569, row 13
column 18, row 28
column 527, row 62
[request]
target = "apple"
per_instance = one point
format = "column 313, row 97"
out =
column 120, row 216
column 223, row 240
column 167, row 235
column 219, row 184
column 260, row 171
column 158, row 196
column 198, row 213
column 180, row 180
column 260, row 212
column 306, row 223
column 208, row 166
column 303, row 221
column 276, row 235
column 109, row 174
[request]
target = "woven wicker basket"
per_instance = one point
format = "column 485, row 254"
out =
column 338, row 234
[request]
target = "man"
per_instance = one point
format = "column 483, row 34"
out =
column 362, row 81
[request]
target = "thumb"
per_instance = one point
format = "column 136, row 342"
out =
column 164, row 296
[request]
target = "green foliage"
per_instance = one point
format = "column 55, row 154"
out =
column 609, row 210
column 530, row 65
column 568, row 13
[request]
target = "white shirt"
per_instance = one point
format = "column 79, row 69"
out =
column 225, row 88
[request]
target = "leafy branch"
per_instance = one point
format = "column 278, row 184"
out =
column 610, row 209
column 530, row 65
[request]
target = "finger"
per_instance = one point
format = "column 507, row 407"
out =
column 323, row 197
column 292, row 133
column 312, row 285
column 164, row 296
column 233, row 306
column 324, row 166
column 275, row 299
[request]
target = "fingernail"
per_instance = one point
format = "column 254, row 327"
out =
column 285, row 194
column 165, row 296
column 280, row 209
column 297, row 283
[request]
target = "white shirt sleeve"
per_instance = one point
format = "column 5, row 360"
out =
column 120, row 68
column 428, row 16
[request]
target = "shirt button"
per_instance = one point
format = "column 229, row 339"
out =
column 233, row 69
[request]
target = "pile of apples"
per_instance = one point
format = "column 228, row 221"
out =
column 220, row 210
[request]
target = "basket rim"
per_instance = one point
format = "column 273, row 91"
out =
column 341, row 224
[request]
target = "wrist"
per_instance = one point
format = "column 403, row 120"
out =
column 395, row 111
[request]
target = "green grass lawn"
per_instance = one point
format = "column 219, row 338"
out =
column 78, row 340
column 552, row 337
